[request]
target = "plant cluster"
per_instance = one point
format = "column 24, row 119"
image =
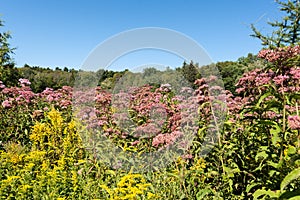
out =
column 255, row 153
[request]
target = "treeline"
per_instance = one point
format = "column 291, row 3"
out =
column 40, row 78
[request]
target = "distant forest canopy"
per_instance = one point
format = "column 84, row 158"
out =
column 40, row 78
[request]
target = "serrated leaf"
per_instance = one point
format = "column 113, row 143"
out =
column 293, row 175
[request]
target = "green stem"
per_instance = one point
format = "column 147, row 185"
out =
column 219, row 136
column 283, row 126
column 298, row 138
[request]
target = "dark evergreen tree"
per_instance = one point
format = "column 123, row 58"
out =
column 190, row 72
column 9, row 75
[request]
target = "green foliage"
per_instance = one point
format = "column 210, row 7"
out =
column 102, row 75
column 232, row 71
column 190, row 72
column 8, row 73
column 41, row 78
column 293, row 175
column 5, row 50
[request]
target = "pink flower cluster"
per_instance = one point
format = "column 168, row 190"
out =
column 7, row 103
column 2, row 86
column 256, row 82
column 166, row 139
column 147, row 130
column 23, row 96
column 61, row 97
column 209, row 91
column 279, row 54
column 279, row 80
column 253, row 82
column 24, row 82
column 143, row 112
column 280, row 77
column 294, row 122
column 295, row 73
column 18, row 96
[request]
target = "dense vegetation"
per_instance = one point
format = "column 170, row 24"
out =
column 52, row 147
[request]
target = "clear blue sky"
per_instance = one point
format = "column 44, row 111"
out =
column 51, row 33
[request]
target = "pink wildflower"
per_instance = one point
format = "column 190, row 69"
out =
column 295, row 72
column 6, row 104
column 2, row 86
column 24, row 82
column 294, row 122
column 280, row 79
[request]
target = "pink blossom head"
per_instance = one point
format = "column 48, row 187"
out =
column 7, row 104
column 2, row 86
column 24, row 82
column 279, row 54
column 166, row 87
column 294, row 122
column 279, row 80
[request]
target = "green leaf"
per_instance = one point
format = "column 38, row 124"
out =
column 262, row 98
column 111, row 172
column 295, row 198
column 264, row 148
column 291, row 150
column 173, row 175
column 275, row 165
column 230, row 172
column 259, row 155
column 249, row 187
column 295, row 96
column 202, row 193
column 297, row 162
column 293, row 175
column 290, row 194
column 259, row 168
column 275, row 134
column 266, row 122
column 261, row 192
column 274, row 106
column 273, row 173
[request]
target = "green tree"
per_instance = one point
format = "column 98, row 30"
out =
column 9, row 75
column 190, row 71
column 287, row 31
column 65, row 69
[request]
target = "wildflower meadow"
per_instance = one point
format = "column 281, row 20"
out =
column 44, row 155
column 233, row 135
